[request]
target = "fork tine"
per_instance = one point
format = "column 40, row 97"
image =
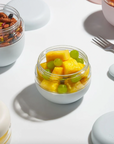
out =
column 98, row 40
column 105, row 40
column 102, row 40
column 98, row 43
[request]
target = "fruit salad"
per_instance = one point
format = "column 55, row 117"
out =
column 64, row 71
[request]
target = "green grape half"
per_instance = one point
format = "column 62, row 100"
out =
column 80, row 60
column 75, row 78
column 50, row 65
column 74, row 54
column 45, row 75
column 62, row 88
column 58, row 62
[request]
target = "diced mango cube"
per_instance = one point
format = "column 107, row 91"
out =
column 39, row 75
column 71, row 66
column 50, row 85
column 81, row 65
column 58, row 71
column 84, row 80
column 86, row 73
column 73, row 87
column 44, row 65
column 52, row 55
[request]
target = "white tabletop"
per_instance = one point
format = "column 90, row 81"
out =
column 34, row 119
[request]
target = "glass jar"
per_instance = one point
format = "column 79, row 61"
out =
column 5, row 124
column 74, row 81
column 11, row 35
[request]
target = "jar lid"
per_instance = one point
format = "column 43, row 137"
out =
column 35, row 13
column 111, row 70
column 103, row 129
column 4, row 119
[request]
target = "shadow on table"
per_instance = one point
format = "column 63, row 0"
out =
column 96, row 24
column 89, row 139
column 6, row 68
column 30, row 105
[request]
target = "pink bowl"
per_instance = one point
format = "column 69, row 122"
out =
column 108, row 12
column 96, row 1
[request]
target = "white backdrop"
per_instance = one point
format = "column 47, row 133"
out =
column 38, row 121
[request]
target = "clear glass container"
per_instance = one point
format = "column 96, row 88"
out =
column 50, row 81
column 11, row 25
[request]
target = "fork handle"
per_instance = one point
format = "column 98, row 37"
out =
column 111, row 48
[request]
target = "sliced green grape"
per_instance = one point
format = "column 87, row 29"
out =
column 74, row 54
column 80, row 60
column 50, row 65
column 75, row 78
column 45, row 75
column 58, row 62
column 62, row 88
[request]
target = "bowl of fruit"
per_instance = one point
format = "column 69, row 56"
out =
column 62, row 74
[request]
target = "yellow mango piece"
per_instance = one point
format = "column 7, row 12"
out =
column 86, row 73
column 44, row 65
column 58, row 71
column 63, row 55
column 81, row 65
column 71, row 66
column 49, row 85
column 84, row 80
column 39, row 75
column 73, row 87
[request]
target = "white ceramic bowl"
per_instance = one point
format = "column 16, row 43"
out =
column 71, row 95
column 108, row 12
column 62, row 98
column 10, row 54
